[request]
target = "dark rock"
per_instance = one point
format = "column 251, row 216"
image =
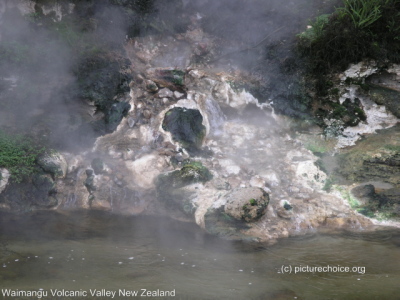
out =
column 186, row 127
column 89, row 182
column 100, row 79
column 26, row 196
column 364, row 191
column 151, row 86
column 97, row 165
column 383, row 94
column 115, row 114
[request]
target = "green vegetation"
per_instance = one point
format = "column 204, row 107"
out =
column 18, row 154
column 362, row 29
column 363, row 13
column 354, row 203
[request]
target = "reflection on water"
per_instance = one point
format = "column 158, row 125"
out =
column 81, row 251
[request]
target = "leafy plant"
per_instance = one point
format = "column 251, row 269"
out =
column 18, row 155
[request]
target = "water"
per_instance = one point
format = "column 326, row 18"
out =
column 82, row 251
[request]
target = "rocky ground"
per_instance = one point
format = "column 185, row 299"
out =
column 184, row 139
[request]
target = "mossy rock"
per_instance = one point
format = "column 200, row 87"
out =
column 387, row 97
column 375, row 158
column 191, row 172
column 186, row 127
column 54, row 163
column 350, row 113
column 246, row 204
column 174, row 187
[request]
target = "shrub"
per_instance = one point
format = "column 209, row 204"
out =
column 362, row 29
column 18, row 155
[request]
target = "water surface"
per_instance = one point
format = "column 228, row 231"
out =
column 83, row 251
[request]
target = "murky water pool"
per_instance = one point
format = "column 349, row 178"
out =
column 80, row 253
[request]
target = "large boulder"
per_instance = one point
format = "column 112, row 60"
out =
column 54, row 163
column 114, row 115
column 247, row 204
column 25, row 196
column 373, row 163
column 186, row 127
column 177, row 188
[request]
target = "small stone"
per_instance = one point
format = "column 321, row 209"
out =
column 131, row 122
column 165, row 93
column 147, row 114
column 151, row 86
column 178, row 95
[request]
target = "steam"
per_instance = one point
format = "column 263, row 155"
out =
column 38, row 60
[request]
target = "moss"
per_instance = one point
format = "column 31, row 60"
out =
column 191, row 172
column 328, row 185
column 253, row 202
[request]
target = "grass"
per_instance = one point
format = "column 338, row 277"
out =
column 18, row 154
column 363, row 13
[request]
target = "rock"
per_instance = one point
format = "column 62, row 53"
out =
column 179, row 187
column 191, row 172
column 146, row 114
column 178, row 95
column 364, row 191
column 165, row 93
column 25, row 196
column 257, row 181
column 229, row 166
column 100, row 79
column 151, row 86
column 173, row 79
column 285, row 211
column 221, row 184
column 247, row 204
column 145, row 170
column 376, row 158
column 131, row 122
column 186, row 127
column 115, row 114
column 4, row 176
column 97, row 165
column 270, row 177
column 387, row 97
column 54, row 163
column 90, row 181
